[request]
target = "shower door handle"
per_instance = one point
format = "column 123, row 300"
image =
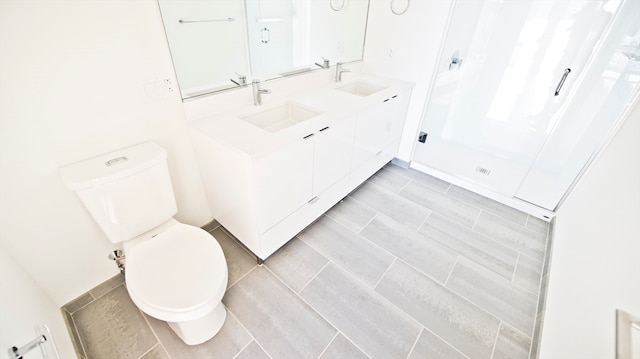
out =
column 564, row 77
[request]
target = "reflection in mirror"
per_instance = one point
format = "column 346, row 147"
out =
column 221, row 44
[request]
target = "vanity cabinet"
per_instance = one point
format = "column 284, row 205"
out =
column 265, row 187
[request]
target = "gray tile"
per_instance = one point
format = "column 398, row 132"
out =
column 494, row 294
column 228, row 342
column 157, row 352
column 513, row 235
column 511, row 344
column 527, row 274
column 252, row 351
column 107, row 285
column 538, row 225
column 75, row 338
column 473, row 245
column 419, row 177
column 341, row 347
column 211, row 225
column 280, row 321
column 489, row 205
column 296, row 263
column 535, row 346
column 423, row 253
column 430, row 346
column 460, row 323
column 400, row 209
column 351, row 214
column 358, row 312
column 389, row 180
column 113, row 325
column 438, row 202
column 239, row 262
column 347, row 249
column 78, row 303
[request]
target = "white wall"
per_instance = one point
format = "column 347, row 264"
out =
column 595, row 263
column 73, row 86
column 23, row 306
column 406, row 47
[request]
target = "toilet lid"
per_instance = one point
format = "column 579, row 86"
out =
column 180, row 269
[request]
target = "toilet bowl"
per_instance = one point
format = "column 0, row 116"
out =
column 174, row 272
column 179, row 276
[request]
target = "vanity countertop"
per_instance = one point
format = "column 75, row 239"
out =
column 330, row 102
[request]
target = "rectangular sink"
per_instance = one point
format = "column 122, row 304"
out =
column 361, row 89
column 281, row 117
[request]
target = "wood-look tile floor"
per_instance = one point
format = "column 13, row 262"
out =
column 407, row 266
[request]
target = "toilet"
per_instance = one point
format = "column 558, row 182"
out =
column 174, row 272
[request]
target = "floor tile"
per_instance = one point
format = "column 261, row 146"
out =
column 423, row 253
column 511, row 344
column 438, row 202
column 228, row 342
column 513, row 235
column 351, row 214
column 495, row 294
column 239, row 262
column 341, row 347
column 538, row 225
column 113, row 324
column 252, row 351
column 157, row 352
column 284, row 325
column 107, row 285
column 296, row 263
column 78, row 303
column 400, row 209
column 457, row 321
column 389, row 180
column 430, row 346
column 489, row 205
column 360, row 314
column 419, row 177
column 528, row 274
column 347, row 249
column 473, row 245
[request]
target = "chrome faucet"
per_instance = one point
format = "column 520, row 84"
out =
column 339, row 71
column 257, row 92
column 242, row 80
column 325, row 63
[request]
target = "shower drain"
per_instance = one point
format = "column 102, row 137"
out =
column 484, row 171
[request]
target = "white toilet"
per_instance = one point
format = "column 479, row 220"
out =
column 174, row 272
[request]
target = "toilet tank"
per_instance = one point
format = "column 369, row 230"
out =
column 128, row 191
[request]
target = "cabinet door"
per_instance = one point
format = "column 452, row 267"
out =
column 332, row 153
column 379, row 126
column 282, row 182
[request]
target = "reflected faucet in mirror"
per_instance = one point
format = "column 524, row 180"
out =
column 242, row 80
column 325, row 64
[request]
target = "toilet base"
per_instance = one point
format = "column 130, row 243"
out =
column 200, row 330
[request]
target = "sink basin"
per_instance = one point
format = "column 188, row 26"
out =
column 281, row 117
column 361, row 89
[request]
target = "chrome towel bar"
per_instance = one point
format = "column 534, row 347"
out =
column 17, row 353
column 229, row 19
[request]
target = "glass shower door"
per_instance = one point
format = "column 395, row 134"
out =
column 506, row 72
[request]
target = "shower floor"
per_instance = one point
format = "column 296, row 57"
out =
column 406, row 266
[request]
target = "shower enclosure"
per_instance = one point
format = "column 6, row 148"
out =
column 526, row 92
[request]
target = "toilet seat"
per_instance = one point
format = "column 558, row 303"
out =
column 178, row 275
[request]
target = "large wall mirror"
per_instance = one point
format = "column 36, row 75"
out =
column 217, row 44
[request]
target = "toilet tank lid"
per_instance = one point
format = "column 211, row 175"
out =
column 112, row 166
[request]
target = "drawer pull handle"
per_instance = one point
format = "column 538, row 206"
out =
column 307, row 136
column 325, row 128
column 313, row 200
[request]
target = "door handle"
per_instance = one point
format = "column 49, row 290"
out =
column 564, row 77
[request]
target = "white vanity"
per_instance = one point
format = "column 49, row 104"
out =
column 270, row 171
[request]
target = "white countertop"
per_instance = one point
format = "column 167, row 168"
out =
column 229, row 128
